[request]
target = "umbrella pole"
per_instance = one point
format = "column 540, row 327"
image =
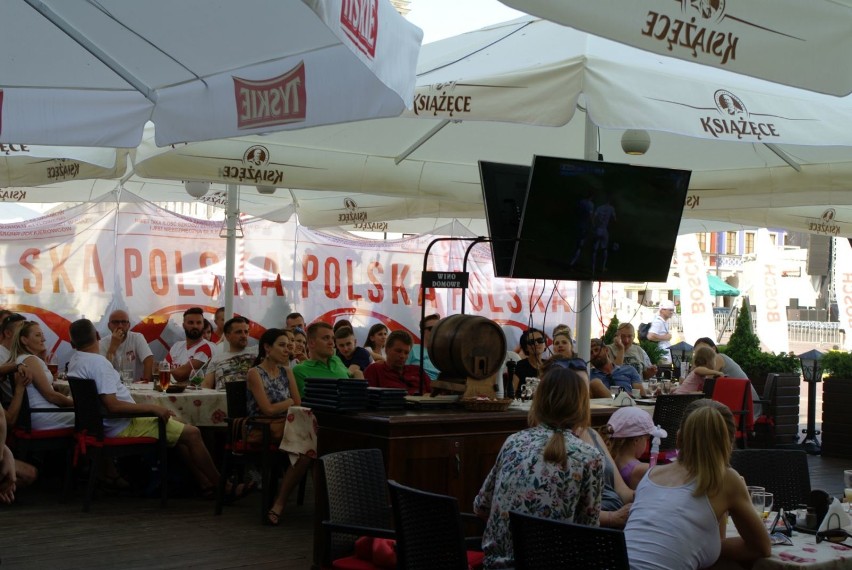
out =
column 583, row 333
column 230, row 248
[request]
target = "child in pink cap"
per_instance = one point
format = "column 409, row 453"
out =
column 629, row 429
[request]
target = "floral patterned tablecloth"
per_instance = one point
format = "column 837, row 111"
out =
column 804, row 554
column 202, row 408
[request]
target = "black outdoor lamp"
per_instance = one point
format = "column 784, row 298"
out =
column 812, row 373
column 684, row 350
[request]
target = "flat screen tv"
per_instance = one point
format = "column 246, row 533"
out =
column 504, row 190
column 599, row 221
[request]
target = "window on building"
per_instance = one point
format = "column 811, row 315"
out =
column 731, row 243
column 749, row 242
column 773, row 238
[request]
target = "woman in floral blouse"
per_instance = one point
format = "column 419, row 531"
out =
column 545, row 470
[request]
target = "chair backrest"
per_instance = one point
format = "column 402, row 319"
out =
column 783, row 472
column 736, row 394
column 429, row 530
column 544, row 544
column 356, row 492
column 668, row 411
column 88, row 408
column 237, row 399
column 709, row 384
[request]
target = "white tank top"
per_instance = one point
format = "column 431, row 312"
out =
column 669, row 529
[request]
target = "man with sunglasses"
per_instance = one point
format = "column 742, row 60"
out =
column 414, row 356
column 127, row 349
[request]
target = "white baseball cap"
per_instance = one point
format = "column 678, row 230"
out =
column 667, row 304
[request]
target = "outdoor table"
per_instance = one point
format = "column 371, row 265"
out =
column 805, row 553
column 202, row 408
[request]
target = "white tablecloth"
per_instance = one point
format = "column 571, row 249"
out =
column 202, row 408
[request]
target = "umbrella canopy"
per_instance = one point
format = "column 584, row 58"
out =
column 718, row 287
column 761, row 154
column 804, row 44
column 25, row 165
column 76, row 72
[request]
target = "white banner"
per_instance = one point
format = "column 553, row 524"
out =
column 696, row 304
column 771, row 307
column 92, row 259
column 843, row 287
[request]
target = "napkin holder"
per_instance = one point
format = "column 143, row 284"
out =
column 623, row 399
column 835, row 517
column 819, row 501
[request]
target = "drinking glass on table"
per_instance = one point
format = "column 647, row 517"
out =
column 165, row 375
column 847, row 489
column 666, row 387
column 752, row 489
column 653, row 384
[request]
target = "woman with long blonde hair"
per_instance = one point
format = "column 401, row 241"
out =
column 544, row 470
column 27, row 343
column 679, row 517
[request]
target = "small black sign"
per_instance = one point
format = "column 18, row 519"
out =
column 445, row 280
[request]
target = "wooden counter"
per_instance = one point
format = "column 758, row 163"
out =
column 447, row 451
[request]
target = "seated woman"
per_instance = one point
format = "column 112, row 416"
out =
column 271, row 391
column 726, row 365
column 563, row 346
column 25, row 474
column 300, row 347
column 532, row 345
column 703, row 362
column 616, row 496
column 679, row 517
column 376, row 337
column 26, row 344
column 627, row 434
column 544, row 470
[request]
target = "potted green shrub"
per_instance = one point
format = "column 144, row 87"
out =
column 836, row 403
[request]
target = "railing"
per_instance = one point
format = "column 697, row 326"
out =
column 816, row 332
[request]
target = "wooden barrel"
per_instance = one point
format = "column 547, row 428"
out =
column 467, row 346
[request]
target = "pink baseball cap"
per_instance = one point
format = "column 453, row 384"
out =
column 632, row 422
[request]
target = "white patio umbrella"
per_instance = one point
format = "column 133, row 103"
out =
column 25, row 165
column 803, row 44
column 762, row 154
column 91, row 73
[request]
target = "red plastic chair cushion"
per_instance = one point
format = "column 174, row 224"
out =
column 735, row 393
column 21, row 433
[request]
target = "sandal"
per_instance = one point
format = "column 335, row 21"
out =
column 272, row 517
column 239, row 491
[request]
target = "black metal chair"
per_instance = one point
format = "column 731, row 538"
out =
column 544, row 544
column 89, row 416
column 239, row 452
column 356, row 501
column 429, row 531
column 783, row 472
column 668, row 411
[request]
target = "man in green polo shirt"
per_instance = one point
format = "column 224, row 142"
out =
column 323, row 362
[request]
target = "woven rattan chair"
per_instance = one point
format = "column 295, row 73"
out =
column 356, row 494
column 783, row 472
column 429, row 531
column 542, row 544
column 668, row 411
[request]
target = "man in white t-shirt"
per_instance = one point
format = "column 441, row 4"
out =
column 127, row 349
column 233, row 360
column 190, row 355
column 659, row 331
column 87, row 362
